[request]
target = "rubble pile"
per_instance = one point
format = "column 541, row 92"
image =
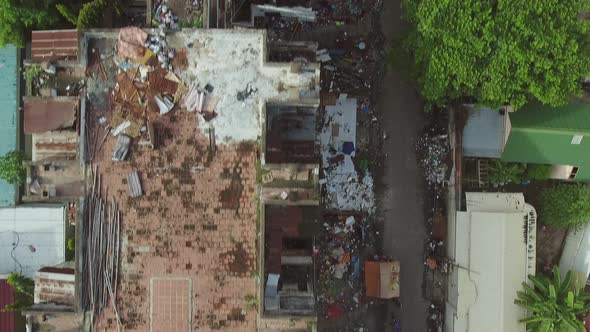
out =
column 345, row 189
column 145, row 86
column 339, row 257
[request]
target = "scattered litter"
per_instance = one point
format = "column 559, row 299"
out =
column 434, row 161
column 323, row 55
column 247, row 92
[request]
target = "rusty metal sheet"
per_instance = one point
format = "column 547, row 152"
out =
column 46, row 114
column 54, row 45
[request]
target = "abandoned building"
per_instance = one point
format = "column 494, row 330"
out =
column 222, row 114
column 289, row 268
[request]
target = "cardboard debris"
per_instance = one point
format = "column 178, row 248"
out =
column 131, row 43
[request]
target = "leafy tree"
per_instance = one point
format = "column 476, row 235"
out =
column 498, row 52
column 92, row 13
column 11, row 167
column 68, row 12
column 565, row 205
column 553, row 305
column 19, row 17
column 24, row 289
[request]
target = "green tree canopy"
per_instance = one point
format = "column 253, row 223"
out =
column 553, row 305
column 498, row 51
column 567, row 205
column 11, row 167
column 18, row 17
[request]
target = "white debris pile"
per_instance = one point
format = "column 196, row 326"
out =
column 434, row 152
column 233, row 63
column 346, row 189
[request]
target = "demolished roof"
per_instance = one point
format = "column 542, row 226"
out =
column 54, row 45
column 55, row 285
column 46, row 114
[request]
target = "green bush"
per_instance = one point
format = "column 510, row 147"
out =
column 11, row 168
column 503, row 173
column 538, row 172
column 567, row 205
column 71, row 244
column 92, row 14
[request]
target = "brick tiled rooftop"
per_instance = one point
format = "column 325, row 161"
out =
column 195, row 222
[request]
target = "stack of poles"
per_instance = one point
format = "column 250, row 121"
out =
column 101, row 253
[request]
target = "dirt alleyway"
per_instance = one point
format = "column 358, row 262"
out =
column 402, row 191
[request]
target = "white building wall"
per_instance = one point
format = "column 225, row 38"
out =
column 576, row 254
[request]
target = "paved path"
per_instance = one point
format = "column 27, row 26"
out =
column 404, row 232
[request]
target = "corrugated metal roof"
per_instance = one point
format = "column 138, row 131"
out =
column 8, row 114
column 485, row 133
column 543, row 135
column 52, row 45
column 49, row 113
column 574, row 116
column 6, row 297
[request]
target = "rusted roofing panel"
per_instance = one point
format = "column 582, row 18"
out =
column 6, row 297
column 53, row 45
column 46, row 114
column 60, row 144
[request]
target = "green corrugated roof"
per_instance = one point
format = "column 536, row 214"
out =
column 571, row 117
column 8, row 114
column 543, row 135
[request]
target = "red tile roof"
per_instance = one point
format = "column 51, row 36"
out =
column 6, row 297
column 53, row 45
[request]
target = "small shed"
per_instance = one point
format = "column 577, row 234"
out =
column 486, row 132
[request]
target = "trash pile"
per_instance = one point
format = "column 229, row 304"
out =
column 345, row 189
column 164, row 16
column 338, row 255
column 435, row 156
